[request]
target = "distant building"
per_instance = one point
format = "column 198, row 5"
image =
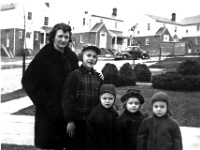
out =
column 154, row 32
column 24, row 26
column 104, row 32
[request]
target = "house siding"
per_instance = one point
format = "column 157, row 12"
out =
column 195, row 48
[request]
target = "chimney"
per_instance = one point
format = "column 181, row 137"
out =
column 173, row 17
column 114, row 12
column 47, row 4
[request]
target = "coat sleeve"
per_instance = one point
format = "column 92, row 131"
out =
column 32, row 82
column 69, row 96
column 92, row 143
column 177, row 138
column 142, row 136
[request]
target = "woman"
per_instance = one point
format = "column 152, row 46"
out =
column 43, row 82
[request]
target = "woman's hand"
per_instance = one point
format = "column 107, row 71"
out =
column 100, row 74
column 71, row 129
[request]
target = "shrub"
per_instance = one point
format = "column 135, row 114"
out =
column 142, row 72
column 127, row 75
column 189, row 67
column 176, row 81
column 111, row 74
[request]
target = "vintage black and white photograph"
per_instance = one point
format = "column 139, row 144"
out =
column 100, row 74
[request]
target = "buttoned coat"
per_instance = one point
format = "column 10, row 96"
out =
column 159, row 133
column 127, row 126
column 43, row 82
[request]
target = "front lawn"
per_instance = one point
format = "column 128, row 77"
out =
column 184, row 106
column 16, row 147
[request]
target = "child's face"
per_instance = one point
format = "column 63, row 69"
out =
column 107, row 100
column 133, row 104
column 89, row 58
column 159, row 108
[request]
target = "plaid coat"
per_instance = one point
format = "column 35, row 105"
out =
column 43, row 81
column 80, row 94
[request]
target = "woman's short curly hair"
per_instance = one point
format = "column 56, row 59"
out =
column 59, row 26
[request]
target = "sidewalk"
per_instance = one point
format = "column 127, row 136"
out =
column 20, row 129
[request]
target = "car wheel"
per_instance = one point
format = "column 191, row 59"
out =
column 125, row 57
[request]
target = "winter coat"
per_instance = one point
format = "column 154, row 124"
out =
column 43, row 81
column 127, row 126
column 100, row 128
column 159, row 133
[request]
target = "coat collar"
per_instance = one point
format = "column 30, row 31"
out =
column 86, row 71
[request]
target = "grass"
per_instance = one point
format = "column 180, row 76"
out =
column 16, row 147
column 184, row 106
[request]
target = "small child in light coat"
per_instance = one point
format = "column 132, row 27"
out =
column 161, row 131
column 127, row 125
column 100, row 123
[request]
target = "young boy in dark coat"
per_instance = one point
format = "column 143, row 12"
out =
column 127, row 125
column 80, row 96
column 161, row 131
column 100, row 123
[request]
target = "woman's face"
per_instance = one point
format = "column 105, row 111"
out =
column 61, row 39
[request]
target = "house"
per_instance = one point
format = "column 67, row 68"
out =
column 154, row 33
column 104, row 32
column 191, row 30
column 22, row 27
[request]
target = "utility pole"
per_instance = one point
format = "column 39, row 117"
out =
column 24, row 47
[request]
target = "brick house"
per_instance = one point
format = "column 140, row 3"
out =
column 22, row 27
column 174, row 37
column 104, row 32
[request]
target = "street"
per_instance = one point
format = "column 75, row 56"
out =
column 11, row 78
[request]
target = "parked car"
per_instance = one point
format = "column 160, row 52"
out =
column 131, row 51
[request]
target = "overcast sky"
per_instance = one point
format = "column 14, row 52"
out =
column 126, row 9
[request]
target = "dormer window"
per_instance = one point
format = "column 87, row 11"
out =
column 198, row 27
column 186, row 31
column 83, row 21
column 46, row 21
column 115, row 25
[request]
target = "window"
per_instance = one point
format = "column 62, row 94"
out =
column 29, row 15
column 138, row 32
column 20, row 34
column 68, row 22
column 166, row 38
column 186, row 31
column 73, row 28
column 81, row 38
column 46, row 21
column 36, row 36
column 147, row 41
column 196, row 41
column 198, row 27
column 101, row 20
column 148, row 26
column 115, row 25
column 83, row 21
column 28, row 35
column 175, row 30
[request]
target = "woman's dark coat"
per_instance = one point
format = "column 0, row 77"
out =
column 127, row 126
column 161, row 133
column 100, row 128
column 43, row 81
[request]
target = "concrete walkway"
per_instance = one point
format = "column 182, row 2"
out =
column 19, row 129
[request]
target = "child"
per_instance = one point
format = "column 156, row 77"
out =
column 100, row 123
column 161, row 131
column 80, row 96
column 128, row 123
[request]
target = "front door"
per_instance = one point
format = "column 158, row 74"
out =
column 103, row 40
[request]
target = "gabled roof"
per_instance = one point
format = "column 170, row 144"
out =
column 162, row 19
column 97, row 26
column 191, row 20
column 107, row 18
column 161, row 31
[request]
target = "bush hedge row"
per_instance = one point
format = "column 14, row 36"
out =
column 186, row 77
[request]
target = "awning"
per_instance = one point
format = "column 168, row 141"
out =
column 120, row 34
column 47, row 29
